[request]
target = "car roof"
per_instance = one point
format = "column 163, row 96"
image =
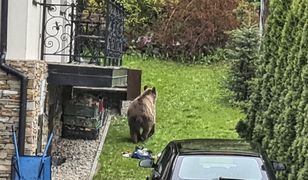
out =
column 216, row 146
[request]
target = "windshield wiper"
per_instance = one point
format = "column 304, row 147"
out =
column 226, row 178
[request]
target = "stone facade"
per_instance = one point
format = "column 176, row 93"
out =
column 55, row 97
column 36, row 71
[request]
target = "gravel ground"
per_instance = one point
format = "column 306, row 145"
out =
column 79, row 154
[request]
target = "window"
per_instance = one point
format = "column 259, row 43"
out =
column 164, row 160
column 215, row 166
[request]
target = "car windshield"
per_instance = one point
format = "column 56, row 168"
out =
column 214, row 167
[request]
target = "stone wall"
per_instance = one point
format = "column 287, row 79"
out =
column 55, row 103
column 36, row 71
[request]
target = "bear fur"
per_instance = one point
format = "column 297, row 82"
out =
column 141, row 114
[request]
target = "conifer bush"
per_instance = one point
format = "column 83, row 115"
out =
column 290, row 29
column 242, row 50
column 277, row 114
column 268, row 55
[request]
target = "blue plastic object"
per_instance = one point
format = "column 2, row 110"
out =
column 141, row 153
column 31, row 167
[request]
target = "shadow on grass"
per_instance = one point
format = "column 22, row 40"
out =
column 124, row 140
column 226, row 100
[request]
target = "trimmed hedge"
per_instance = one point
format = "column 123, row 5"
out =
column 278, row 111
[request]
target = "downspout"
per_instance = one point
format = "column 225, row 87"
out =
column 23, row 79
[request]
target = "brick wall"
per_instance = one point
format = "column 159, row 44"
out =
column 36, row 71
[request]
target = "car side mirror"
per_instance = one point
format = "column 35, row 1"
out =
column 146, row 163
column 278, row 166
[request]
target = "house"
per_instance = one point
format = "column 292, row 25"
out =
column 50, row 48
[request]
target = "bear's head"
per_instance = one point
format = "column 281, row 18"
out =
column 150, row 92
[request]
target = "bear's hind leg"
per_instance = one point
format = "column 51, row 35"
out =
column 134, row 134
column 146, row 131
column 152, row 130
column 145, row 134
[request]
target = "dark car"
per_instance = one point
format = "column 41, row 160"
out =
column 212, row 159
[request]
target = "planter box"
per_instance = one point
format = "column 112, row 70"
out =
column 81, row 110
column 73, row 132
column 81, row 122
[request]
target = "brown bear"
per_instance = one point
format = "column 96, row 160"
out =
column 141, row 115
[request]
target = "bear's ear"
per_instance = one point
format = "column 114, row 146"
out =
column 145, row 87
column 154, row 90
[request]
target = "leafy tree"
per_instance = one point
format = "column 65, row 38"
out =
column 191, row 29
column 142, row 15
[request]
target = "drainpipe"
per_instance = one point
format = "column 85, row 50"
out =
column 23, row 79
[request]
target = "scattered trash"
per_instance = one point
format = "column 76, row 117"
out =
column 142, row 153
column 139, row 153
column 127, row 154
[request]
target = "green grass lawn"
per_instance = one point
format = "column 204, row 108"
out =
column 191, row 104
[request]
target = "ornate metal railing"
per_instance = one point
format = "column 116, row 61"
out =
column 83, row 31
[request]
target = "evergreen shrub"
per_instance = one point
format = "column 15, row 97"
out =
column 277, row 114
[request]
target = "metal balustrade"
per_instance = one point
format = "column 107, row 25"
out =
column 84, row 32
